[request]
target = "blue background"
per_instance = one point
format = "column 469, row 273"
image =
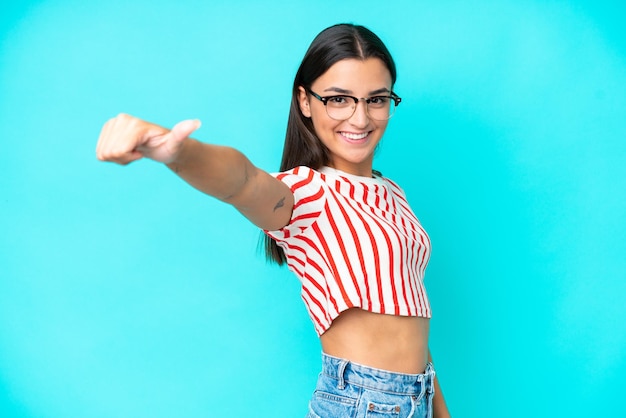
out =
column 126, row 293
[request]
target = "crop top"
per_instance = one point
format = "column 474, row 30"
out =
column 353, row 242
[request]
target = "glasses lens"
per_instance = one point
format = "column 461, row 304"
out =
column 340, row 107
column 381, row 108
column 343, row 107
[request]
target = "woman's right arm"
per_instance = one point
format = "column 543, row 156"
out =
column 219, row 171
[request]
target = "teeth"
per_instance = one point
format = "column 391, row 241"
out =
column 354, row 136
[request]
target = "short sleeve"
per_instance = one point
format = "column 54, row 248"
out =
column 309, row 192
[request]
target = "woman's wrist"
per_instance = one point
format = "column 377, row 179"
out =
column 183, row 155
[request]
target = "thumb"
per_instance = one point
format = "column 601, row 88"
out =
column 183, row 129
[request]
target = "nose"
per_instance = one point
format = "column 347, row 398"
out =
column 359, row 118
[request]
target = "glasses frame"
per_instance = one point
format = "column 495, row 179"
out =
column 324, row 99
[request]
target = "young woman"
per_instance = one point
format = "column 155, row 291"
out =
column 346, row 231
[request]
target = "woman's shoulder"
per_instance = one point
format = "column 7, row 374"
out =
column 302, row 177
column 299, row 174
column 301, row 170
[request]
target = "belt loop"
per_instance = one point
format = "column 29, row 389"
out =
column 431, row 374
column 422, row 379
column 340, row 371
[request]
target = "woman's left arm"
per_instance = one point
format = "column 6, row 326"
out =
column 440, row 409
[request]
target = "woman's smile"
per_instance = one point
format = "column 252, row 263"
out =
column 354, row 137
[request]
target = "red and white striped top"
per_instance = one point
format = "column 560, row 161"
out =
column 353, row 242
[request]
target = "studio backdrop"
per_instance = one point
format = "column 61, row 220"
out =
column 126, row 293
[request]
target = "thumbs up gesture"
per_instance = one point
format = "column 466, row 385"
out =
column 125, row 139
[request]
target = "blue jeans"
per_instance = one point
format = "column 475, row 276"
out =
column 345, row 389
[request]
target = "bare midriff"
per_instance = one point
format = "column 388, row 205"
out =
column 394, row 343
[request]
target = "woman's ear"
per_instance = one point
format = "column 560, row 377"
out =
column 303, row 101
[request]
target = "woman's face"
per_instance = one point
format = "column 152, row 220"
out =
column 351, row 142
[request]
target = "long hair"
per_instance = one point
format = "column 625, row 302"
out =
column 302, row 146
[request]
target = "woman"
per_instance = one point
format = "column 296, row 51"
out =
column 343, row 229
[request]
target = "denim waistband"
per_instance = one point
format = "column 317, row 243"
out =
column 347, row 372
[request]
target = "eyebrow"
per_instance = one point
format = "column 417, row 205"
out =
column 372, row 93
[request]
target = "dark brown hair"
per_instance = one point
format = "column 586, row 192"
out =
column 302, row 146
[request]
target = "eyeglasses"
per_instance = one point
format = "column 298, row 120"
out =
column 342, row 107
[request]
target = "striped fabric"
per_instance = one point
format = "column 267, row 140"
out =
column 353, row 242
